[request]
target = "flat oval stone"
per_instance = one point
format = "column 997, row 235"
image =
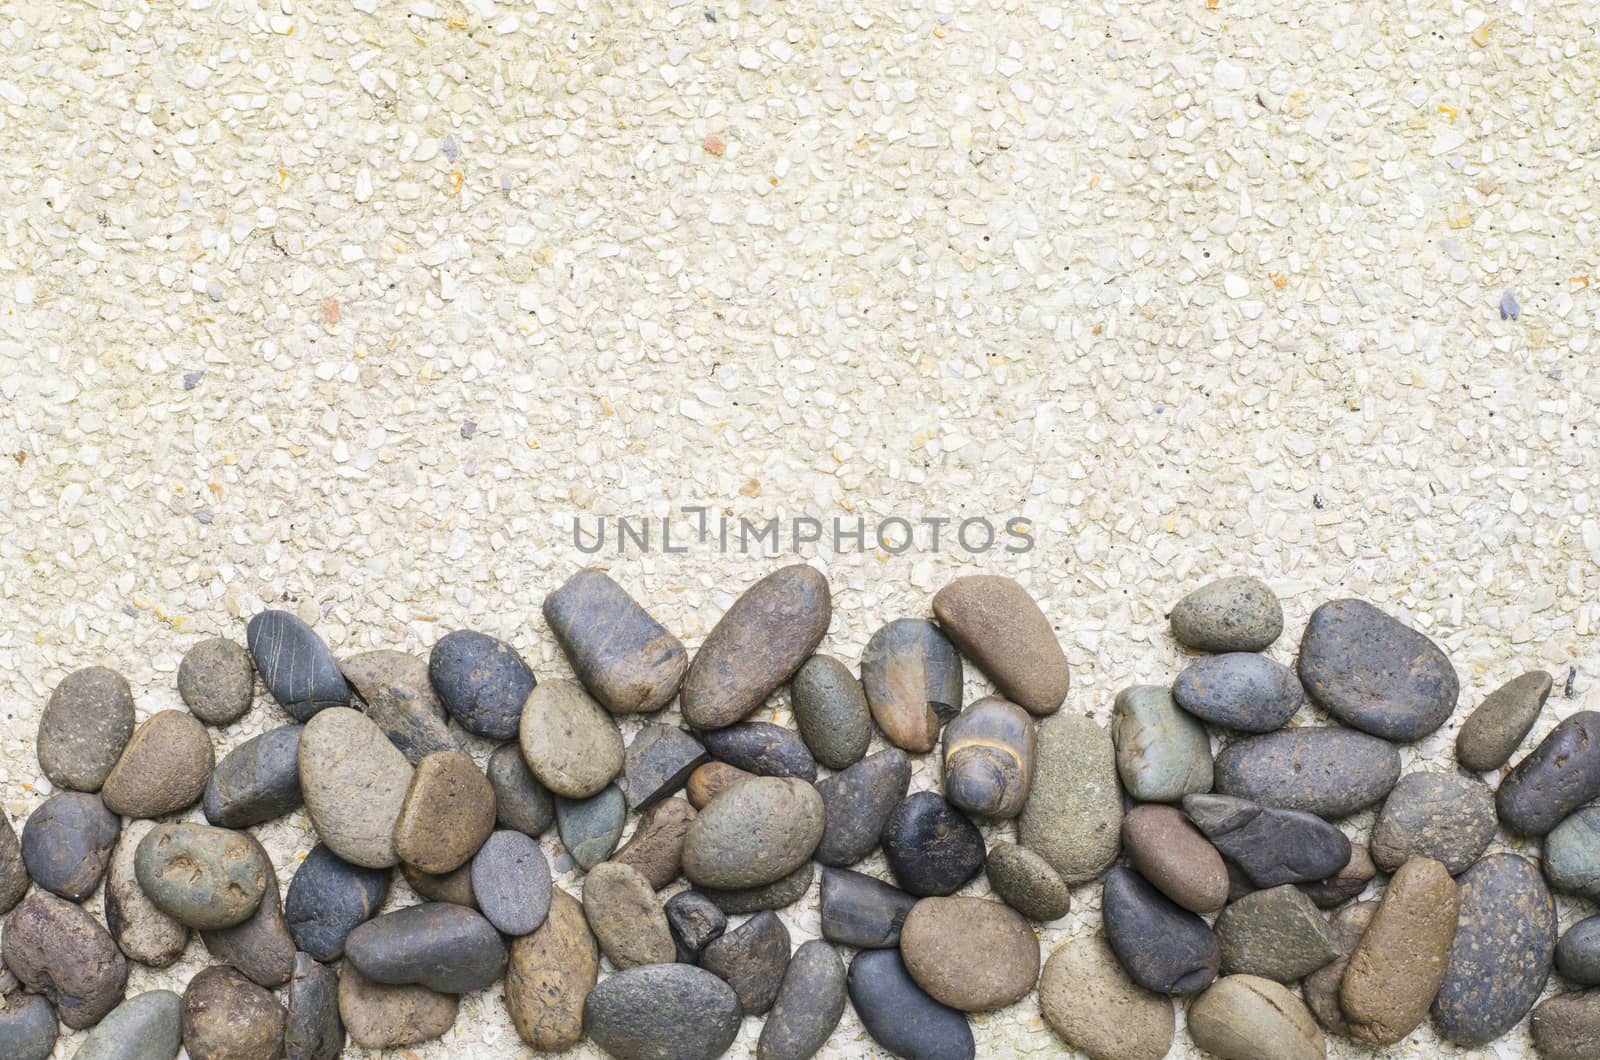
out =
column 753, row 834
column 447, row 813
column 444, row 947
column 1398, row 965
column 56, row 949
column 1328, row 771
column 931, row 847
column 226, row 1016
column 295, row 664
column 550, row 974
column 329, row 898
column 260, row 947
column 1321, row 987
column 217, row 681
column 752, row 958
column 657, row 763
column 520, row 801
column 256, row 782
column 380, row 1016
column 662, row 1010
column 695, row 921
column 656, row 848
column 997, row 625
column 1234, row 614
column 969, row 953
column 1272, row 846
column 626, row 659
column 1571, row 855
column 1175, row 858
column 857, row 803
column 1163, row 946
column 1376, row 673
column 912, row 678
column 809, row 1006
column 1567, row 1026
column 1500, row 959
column 756, row 646
column 775, row 895
column 1163, row 753
column 1277, row 934
column 511, row 880
column 763, row 749
column 67, row 842
column 147, row 1026
column 1556, row 778
column 900, row 1016
column 163, row 769
column 1444, row 816
column 861, row 910
column 1578, row 952
column 142, row 931
column 354, row 782
column 569, row 741
column 1027, row 882
column 482, row 682
column 591, row 828
column 1073, row 816
column 989, row 754
column 1344, row 884
column 1492, row 732
column 312, row 1029
column 400, row 700
column 13, row 870
column 830, row 707
column 712, row 779
column 28, row 1027
column 202, row 876
column 1240, row 690
column 85, row 725
column 1245, row 1017
column 1090, row 1001
column 454, row 887
column 625, row 916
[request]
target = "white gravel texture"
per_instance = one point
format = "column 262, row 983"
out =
column 354, row 308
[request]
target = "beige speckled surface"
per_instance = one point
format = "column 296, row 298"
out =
column 1194, row 288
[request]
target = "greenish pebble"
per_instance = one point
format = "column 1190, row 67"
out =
column 1277, row 933
column 1163, row 752
column 1492, row 732
column 1028, row 883
column 1572, row 854
column 1230, row 614
column 1073, row 817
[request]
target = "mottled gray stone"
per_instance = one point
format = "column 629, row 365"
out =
column 147, row 1026
column 830, row 709
column 1444, row 816
column 354, row 782
column 1240, row 613
column 202, row 876
column 57, row 949
column 591, row 828
column 511, row 880
column 86, row 723
column 1328, row 771
column 1572, row 854
column 809, row 1005
column 900, row 1015
column 1492, row 732
column 1163, row 753
column 444, row 947
column 329, row 898
column 656, row 1011
column 1073, row 817
column 28, row 1027
column 1557, row 777
column 520, row 801
column 1273, row 846
column 1578, row 952
column 482, row 682
column 658, row 763
column 1376, row 673
column 1163, row 946
column 857, row 803
column 753, row 834
column 227, row 1017
column 1277, row 933
column 312, row 1029
column 1240, row 690
column 1027, row 882
column 67, row 843
column 763, row 749
column 260, row 947
column 217, row 681
column 752, row 959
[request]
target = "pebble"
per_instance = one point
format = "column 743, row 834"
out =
column 550, row 973
column 809, row 1005
column 1325, row 770
column 1500, row 960
column 931, row 847
column 662, row 1010
column 1376, row 673
column 67, row 842
column 1571, row 855
column 1090, row 1001
column 591, row 828
column 970, row 953
column 1556, row 778
column 142, row 931
column 861, row 910
column 857, row 803
column 1027, row 882
column 625, row 658
column 511, row 881
column 1578, row 952
column 1174, row 857
column 28, row 1028
column 778, row 894
column 996, row 624
column 379, row 1016
column 147, row 1026
column 1567, row 1026
column 656, row 848
column 453, row 887
column 1163, row 946
column 1272, row 846
column 1163, row 753
column 261, row 947
column 1492, row 732
column 900, row 1016
column 354, row 782
column 1277, row 933
column 1241, row 691
column 830, row 708
column 1444, row 816
column 712, row 779
column 753, row 834
column 329, row 898
column 757, row 645
column 256, row 782
column 400, row 700
column 625, row 917
column 13, row 870
column 989, row 755
column 1344, row 884
column 227, row 1017
column 163, row 769
column 444, row 947
column 695, row 921
column 570, row 742
column 1234, row 614
column 1321, row 987
column 482, row 682
column 762, row 749
column 1397, row 967
column 85, row 725
column 312, row 1029
column 752, row 958
column 1245, row 1017
column 295, row 664
column 520, row 801
column 911, row 675
column 202, row 876
column 447, row 813
column 1073, row 817
column 657, row 763
column 55, row 948
column 217, row 681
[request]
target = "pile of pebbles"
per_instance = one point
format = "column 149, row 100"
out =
column 1216, row 872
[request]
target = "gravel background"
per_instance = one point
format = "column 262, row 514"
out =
column 354, row 308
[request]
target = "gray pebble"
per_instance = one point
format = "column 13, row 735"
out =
column 295, row 664
column 778, row 894
column 624, row 657
column 143, row 932
column 1567, row 1026
column 762, row 748
column 856, row 804
column 662, row 1010
column 753, row 834
column 1328, row 771
column 1444, row 816
column 1376, row 673
column 591, row 828
column 482, row 682
column 329, row 898
column 1027, row 882
column 312, row 1029
column 1163, row 947
column 147, row 1026
column 1273, row 846
column 1572, row 854
column 1230, row 614
column 217, row 681
column 751, row 958
column 202, row 876
column 260, row 947
column 67, row 842
column 511, row 880
column 1277, row 933
column 444, row 947
column 1163, row 753
column 1073, row 817
column 1578, row 952
column 861, row 910
column 1556, row 778
column 809, row 1005
column 694, row 921
column 1492, row 733
column 86, row 723
column 657, row 763
column 256, row 782
column 28, row 1027
column 520, row 801
column 830, row 708
column 1240, row 690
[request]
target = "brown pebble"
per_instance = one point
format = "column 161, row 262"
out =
column 996, row 623
column 656, row 848
column 163, row 769
column 227, row 1017
column 711, row 780
column 447, row 814
column 1400, row 962
column 970, row 953
column 1321, row 987
column 378, row 1016
column 1173, row 855
column 627, row 920
column 550, row 975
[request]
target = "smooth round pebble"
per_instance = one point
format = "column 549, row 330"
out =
column 1027, row 882
column 1572, row 854
column 624, row 657
column 1239, row 613
column 911, row 674
column 444, row 947
column 931, row 847
column 28, row 1027
column 1325, row 770
column 571, row 743
column 67, row 843
column 55, row 948
column 147, row 1026
column 1444, row 816
column 590, row 828
column 202, row 876
column 164, row 768
column 1073, row 816
column 481, row 681
column 861, row 910
column 1277, row 933
column 447, row 813
column 1375, row 673
column 900, row 1015
column 970, row 953
column 1578, row 952
column 1090, row 1001
column 1492, row 732
column 809, row 1005
column 1242, row 691
column 511, row 880
column 381, row 1016
column 550, row 974
column 662, row 1010
column 329, row 898
column 256, row 782
column 1556, row 778
column 1244, row 1017
column 1169, row 852
column 1397, row 967
column 1163, row 753
column 354, row 782
column 830, row 709
column 754, row 834
column 520, row 801
column 989, row 754
column 217, row 681
column 762, row 748
column 996, row 623
column 86, row 723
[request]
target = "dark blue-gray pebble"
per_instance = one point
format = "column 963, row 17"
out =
column 511, row 880
column 1578, row 952
column 1556, row 778
column 444, row 947
column 900, row 1016
column 665, row 1011
column 857, row 803
column 67, row 843
column 590, row 828
column 1162, row 946
column 762, row 748
column 1325, row 770
column 861, row 910
column 27, row 1027
column 257, row 781
column 1376, row 673
column 1240, row 690
column 313, row 1029
column 751, row 958
column 482, row 681
column 295, row 664
column 520, row 801
column 329, row 898
column 695, row 921
column 1273, row 846
column 931, row 846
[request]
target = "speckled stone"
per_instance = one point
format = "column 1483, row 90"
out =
column 1090, row 1001
column 1241, row 691
column 763, row 749
column 1272, row 846
column 55, row 948
column 520, row 801
column 754, row 834
column 1567, row 1026
column 227, row 1017
column 624, row 657
column 1027, row 882
column 1492, row 732
column 656, row 847
column 662, row 1010
column 142, row 931
column 625, row 917
column 778, row 894
column 857, row 803
column 295, row 664
column 830, row 709
column 217, row 681
column 453, row 887
column 989, row 755
column 1163, row 753
column 163, row 769
column 1376, row 673
column 931, row 847
column 1556, row 778
column 1444, row 816
column 511, row 881
column 260, row 947
column 712, row 779
column 861, row 910
column 1234, row 614
column 900, row 1015
column 380, row 1016
column 13, row 870
column 809, row 1006
column 591, row 828
column 1571, row 855
column 28, row 1027
column 67, row 843
column 757, row 646
column 1344, row 884
column 970, row 953
column 549, row 976
column 1073, row 817
column 400, row 700
column 996, row 624
column 1277, row 934
column 1321, row 987
column 1170, row 853
column 481, row 681
column 1397, row 967
column 256, row 782
column 1244, row 1017
column 202, row 876
column 571, row 743
column 447, row 813
column 1328, row 771
column 1163, row 946
column 752, row 958
column 1578, row 952
column 695, row 920
column 444, row 947
column 86, row 723
column 354, row 782
column 912, row 678
column 1501, row 956
column 312, row 1029
column 329, row 898
column 657, row 763
column 147, row 1026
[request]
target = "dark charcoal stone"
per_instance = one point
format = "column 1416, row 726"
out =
column 328, row 899
column 1240, row 690
column 217, row 681
column 626, row 659
column 658, row 762
column 444, row 947
column 900, row 1016
column 763, row 749
column 1578, row 952
column 1491, row 733
column 830, row 709
column 590, row 828
column 695, row 921
column 511, row 880
column 912, row 677
column 779, row 894
column 13, row 870
column 932, row 848
column 261, row 947
column 295, row 664
column 752, row 959
column 520, row 801
column 85, row 725
column 809, row 1006
column 1557, row 777
column 856, row 804
column 861, row 910
column 1375, row 673
column 202, row 876
column 1328, row 771
column 257, row 781
column 226, row 1017
column 1272, row 846
column 148, row 1026
column 57, row 949
column 67, row 842
column 1234, row 614
column 656, row 1011
column 1444, row 816
column 483, row 682
column 313, row 1029
column 1163, row 946
column 401, row 701
column 28, row 1027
